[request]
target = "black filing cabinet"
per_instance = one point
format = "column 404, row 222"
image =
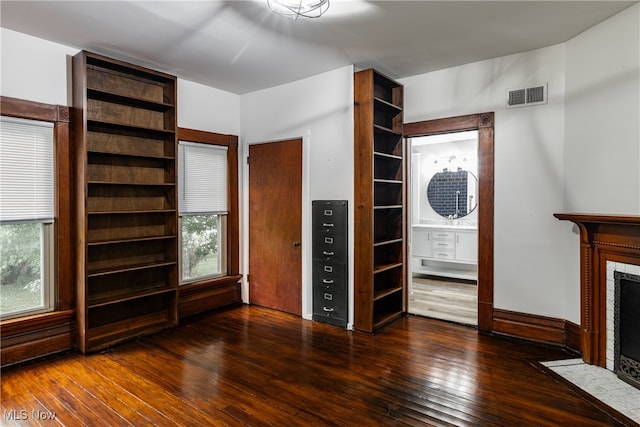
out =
column 330, row 296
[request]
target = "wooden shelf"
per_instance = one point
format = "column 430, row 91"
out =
column 132, row 267
column 388, row 242
column 116, row 298
column 386, row 267
column 136, row 212
column 387, row 181
column 389, row 156
column 145, row 184
column 384, row 319
column 140, row 156
column 386, row 292
column 127, row 245
column 139, row 239
column 128, row 100
column 379, row 289
column 386, row 130
column 108, row 335
column 127, row 127
column 385, row 105
column 388, row 207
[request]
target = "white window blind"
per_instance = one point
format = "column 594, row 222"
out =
column 26, row 171
column 202, row 179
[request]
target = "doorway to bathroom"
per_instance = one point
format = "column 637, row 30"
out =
column 443, row 200
column 484, row 124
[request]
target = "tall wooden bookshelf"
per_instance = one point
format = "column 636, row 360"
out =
column 379, row 271
column 125, row 159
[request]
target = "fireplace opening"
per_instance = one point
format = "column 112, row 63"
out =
column 627, row 327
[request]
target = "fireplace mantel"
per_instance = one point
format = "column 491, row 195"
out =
column 602, row 238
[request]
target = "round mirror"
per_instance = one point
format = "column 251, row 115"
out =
column 453, row 194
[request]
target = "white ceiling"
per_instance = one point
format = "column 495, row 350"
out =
column 240, row 46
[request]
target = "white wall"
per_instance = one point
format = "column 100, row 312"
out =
column 579, row 153
column 35, row 69
column 602, row 132
column 38, row 70
column 205, row 108
column 320, row 110
column 602, row 138
column 528, row 166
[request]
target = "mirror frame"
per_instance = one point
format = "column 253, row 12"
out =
column 457, row 211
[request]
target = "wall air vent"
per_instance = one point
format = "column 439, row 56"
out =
column 523, row 97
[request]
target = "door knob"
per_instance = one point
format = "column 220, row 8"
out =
column 296, row 243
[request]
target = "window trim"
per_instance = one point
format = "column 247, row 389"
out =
column 220, row 288
column 39, row 334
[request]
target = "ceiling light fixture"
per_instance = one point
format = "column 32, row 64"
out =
column 295, row 9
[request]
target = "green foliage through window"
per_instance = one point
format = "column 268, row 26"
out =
column 20, row 267
column 200, row 252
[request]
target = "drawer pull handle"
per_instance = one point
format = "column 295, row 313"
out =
column 328, row 297
column 327, row 309
column 443, row 254
column 327, row 224
column 327, row 253
column 327, row 281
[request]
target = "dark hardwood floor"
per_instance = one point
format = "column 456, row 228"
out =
column 258, row 367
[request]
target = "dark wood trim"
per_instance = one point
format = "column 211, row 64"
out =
column 484, row 123
column 205, row 137
column 14, row 107
column 529, row 326
column 64, row 208
column 233, row 221
column 204, row 296
column 602, row 238
column 35, row 336
column 572, row 335
column 32, row 336
column 223, row 291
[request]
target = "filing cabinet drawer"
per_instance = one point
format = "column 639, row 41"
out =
column 329, row 304
column 327, row 275
column 329, row 216
column 329, row 247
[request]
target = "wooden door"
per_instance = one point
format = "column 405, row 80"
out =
column 275, row 225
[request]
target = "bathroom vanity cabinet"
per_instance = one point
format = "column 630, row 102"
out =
column 445, row 251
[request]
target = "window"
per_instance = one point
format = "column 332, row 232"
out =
column 202, row 206
column 26, row 217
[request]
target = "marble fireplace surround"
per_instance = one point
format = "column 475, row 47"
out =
column 605, row 241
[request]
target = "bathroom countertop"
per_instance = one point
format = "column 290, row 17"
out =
column 447, row 226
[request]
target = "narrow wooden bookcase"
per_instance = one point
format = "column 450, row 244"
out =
column 379, row 270
column 124, row 121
